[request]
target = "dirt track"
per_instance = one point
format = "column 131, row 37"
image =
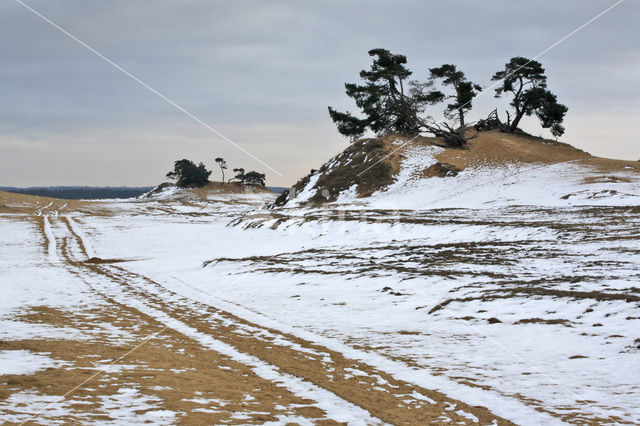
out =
column 203, row 364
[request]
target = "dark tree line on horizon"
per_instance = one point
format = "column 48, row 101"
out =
column 391, row 103
column 81, row 192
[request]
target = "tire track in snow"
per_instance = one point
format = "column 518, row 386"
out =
column 51, row 241
column 82, row 238
column 349, row 380
column 281, row 404
column 335, row 407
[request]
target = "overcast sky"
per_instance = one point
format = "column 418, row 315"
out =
column 262, row 73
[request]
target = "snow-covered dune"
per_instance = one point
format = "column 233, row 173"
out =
column 497, row 170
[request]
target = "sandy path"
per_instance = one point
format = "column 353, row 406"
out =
column 203, row 365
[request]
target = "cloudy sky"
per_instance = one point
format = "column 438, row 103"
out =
column 262, row 74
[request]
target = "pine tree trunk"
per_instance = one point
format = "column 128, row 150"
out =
column 516, row 121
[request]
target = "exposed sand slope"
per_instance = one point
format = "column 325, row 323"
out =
column 32, row 204
column 494, row 147
column 169, row 191
column 215, row 188
column 371, row 166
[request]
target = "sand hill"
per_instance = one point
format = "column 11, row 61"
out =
column 169, row 191
column 214, row 192
column 393, row 172
column 11, row 203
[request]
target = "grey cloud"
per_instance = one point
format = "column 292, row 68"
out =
column 273, row 67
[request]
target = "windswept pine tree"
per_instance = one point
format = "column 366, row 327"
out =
column 463, row 91
column 382, row 98
column 223, row 166
column 239, row 175
column 255, row 179
column 525, row 81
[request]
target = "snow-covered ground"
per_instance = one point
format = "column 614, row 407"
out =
column 530, row 309
column 531, row 312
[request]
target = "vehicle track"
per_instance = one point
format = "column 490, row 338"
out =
column 375, row 391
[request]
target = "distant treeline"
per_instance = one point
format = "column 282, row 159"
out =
column 81, row 192
column 277, row 189
column 91, row 192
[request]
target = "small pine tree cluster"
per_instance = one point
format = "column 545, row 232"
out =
column 188, row 175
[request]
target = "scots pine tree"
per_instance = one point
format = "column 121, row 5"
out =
column 382, row 98
column 223, row 166
column 463, row 91
column 524, row 80
column 187, row 174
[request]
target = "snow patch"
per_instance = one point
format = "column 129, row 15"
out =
column 25, row 362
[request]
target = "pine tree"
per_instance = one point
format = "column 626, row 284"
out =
column 239, row 175
column 223, row 166
column 463, row 91
column 187, row 174
column 525, row 80
column 382, row 99
column 254, row 178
